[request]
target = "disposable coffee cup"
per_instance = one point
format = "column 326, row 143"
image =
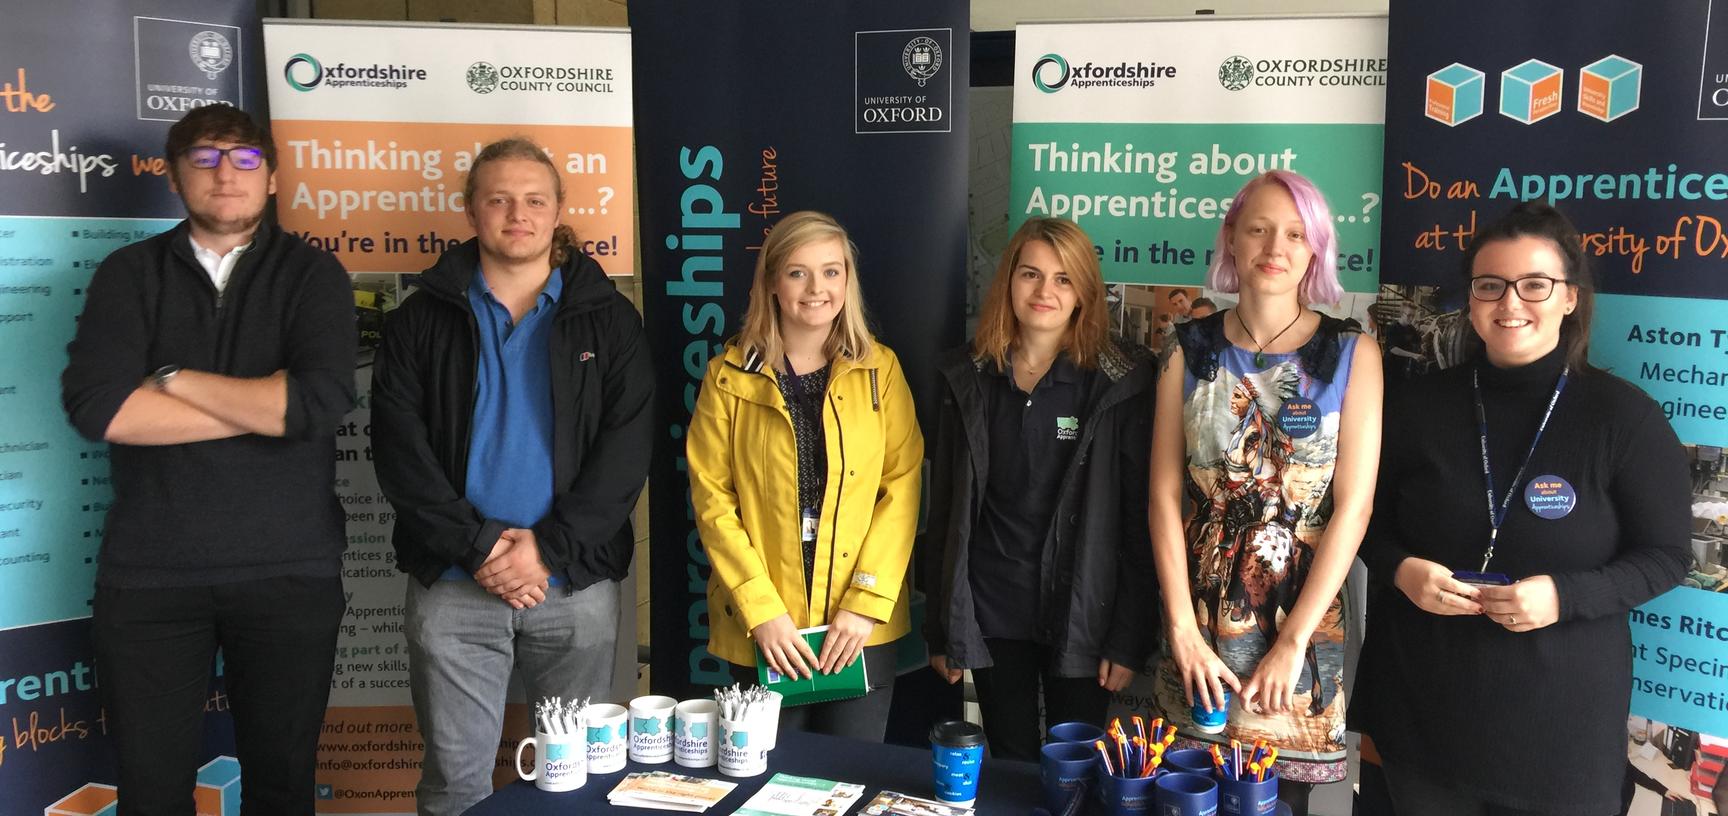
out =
column 957, row 751
column 560, row 761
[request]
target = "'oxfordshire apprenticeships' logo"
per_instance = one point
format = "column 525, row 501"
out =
column 1053, row 72
column 1050, row 73
column 303, row 72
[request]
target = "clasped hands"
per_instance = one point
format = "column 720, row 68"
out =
column 514, row 571
column 1523, row 606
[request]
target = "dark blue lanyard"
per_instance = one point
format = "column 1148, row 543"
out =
column 1496, row 516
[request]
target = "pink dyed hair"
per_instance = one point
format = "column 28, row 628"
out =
column 1320, row 281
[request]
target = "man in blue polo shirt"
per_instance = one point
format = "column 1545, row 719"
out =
column 510, row 423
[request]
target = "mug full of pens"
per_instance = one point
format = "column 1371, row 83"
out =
column 560, row 747
column 1247, row 780
column 748, row 721
column 1128, row 762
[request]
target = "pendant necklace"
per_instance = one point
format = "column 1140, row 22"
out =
column 1260, row 354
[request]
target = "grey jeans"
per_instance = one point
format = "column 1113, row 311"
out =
column 463, row 643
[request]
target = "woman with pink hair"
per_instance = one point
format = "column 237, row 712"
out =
column 1265, row 442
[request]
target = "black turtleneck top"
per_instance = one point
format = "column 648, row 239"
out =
column 1533, row 720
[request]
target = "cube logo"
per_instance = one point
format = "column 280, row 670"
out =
column 1454, row 94
column 1530, row 91
column 1609, row 87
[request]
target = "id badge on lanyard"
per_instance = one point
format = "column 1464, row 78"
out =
column 808, row 519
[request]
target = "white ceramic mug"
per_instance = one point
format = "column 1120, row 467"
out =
column 768, row 720
column 651, row 729
column 694, row 737
column 560, row 760
column 741, row 751
column 608, row 737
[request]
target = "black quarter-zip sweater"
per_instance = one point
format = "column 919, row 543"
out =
column 244, row 508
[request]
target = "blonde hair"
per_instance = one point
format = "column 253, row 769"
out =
column 848, row 337
column 1089, row 326
column 525, row 149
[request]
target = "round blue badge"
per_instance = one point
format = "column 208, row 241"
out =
column 1299, row 417
column 1550, row 496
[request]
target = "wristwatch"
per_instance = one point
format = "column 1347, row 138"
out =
column 160, row 378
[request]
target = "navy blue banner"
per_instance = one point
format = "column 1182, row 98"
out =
column 1614, row 112
column 748, row 111
column 88, row 89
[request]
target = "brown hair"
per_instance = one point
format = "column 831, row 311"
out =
column 220, row 122
column 524, row 148
column 849, row 337
column 1536, row 219
column 1088, row 327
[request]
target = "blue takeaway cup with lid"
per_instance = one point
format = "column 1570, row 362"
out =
column 957, row 750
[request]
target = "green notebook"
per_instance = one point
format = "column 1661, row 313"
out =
column 844, row 684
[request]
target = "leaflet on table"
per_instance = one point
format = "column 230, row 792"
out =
column 889, row 803
column 669, row 791
column 788, row 795
column 844, row 684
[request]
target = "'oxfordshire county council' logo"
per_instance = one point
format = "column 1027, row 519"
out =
column 482, row 77
column 922, row 59
column 293, row 76
column 211, row 53
column 1235, row 73
column 1038, row 73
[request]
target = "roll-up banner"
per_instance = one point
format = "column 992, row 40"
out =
column 749, row 111
column 1615, row 114
column 1142, row 132
column 87, row 92
column 376, row 127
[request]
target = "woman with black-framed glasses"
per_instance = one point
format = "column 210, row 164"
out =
column 1527, row 501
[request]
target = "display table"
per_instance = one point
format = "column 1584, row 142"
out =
column 1006, row 788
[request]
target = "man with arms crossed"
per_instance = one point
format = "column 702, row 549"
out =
column 217, row 359
column 510, row 418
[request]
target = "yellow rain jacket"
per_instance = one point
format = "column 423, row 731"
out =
column 743, row 466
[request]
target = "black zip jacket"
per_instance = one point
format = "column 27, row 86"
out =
column 238, row 509
column 423, row 409
column 1098, row 591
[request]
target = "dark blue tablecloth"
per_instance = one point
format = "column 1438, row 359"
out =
column 1005, row 788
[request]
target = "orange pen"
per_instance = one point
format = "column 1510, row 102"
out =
column 1109, row 767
